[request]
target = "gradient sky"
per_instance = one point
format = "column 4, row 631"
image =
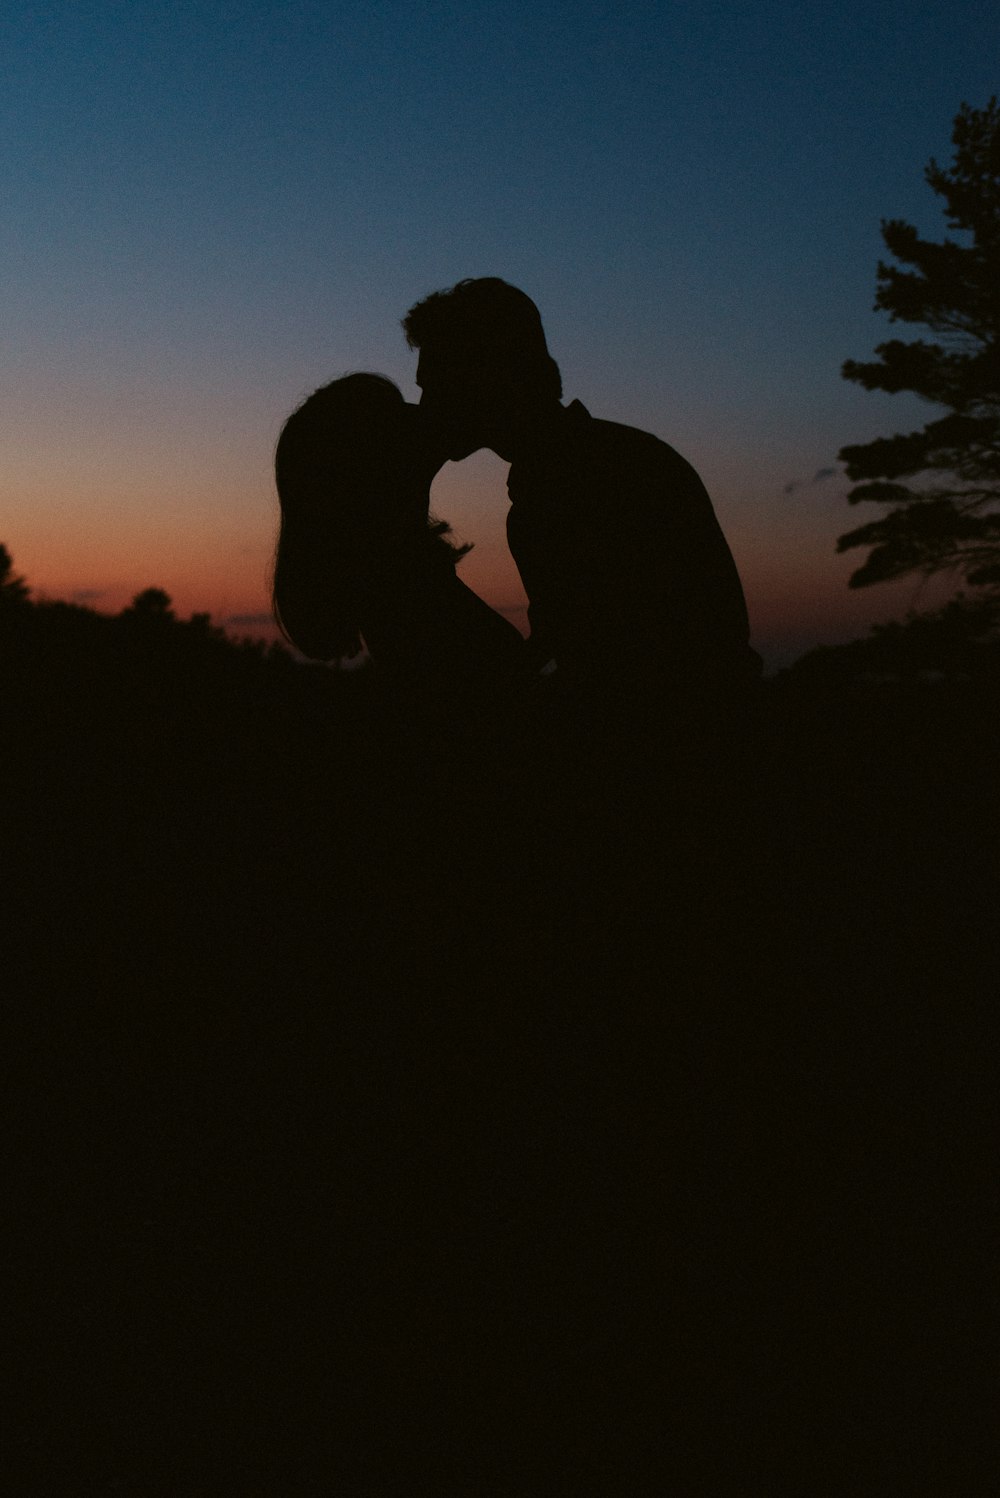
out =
column 212, row 208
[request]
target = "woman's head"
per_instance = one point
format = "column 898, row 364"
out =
column 334, row 437
column 352, row 470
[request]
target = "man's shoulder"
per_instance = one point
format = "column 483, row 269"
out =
column 623, row 449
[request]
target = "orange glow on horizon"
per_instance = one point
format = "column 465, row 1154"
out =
column 214, row 556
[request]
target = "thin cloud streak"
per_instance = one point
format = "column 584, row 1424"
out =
column 819, row 477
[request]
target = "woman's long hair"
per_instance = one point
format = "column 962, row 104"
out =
column 335, row 524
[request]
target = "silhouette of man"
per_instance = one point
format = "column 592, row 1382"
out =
column 628, row 575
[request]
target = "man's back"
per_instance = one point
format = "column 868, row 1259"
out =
column 626, row 569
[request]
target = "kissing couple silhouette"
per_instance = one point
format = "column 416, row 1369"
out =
column 630, row 583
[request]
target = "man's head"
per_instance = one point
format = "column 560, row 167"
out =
column 484, row 368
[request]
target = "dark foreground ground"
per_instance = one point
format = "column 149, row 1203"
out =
column 398, row 1112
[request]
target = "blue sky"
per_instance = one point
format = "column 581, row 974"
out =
column 212, row 208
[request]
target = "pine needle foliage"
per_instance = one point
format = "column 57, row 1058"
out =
column 940, row 485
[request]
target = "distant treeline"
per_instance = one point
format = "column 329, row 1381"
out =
column 960, row 642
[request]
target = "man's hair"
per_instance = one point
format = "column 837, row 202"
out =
column 486, row 319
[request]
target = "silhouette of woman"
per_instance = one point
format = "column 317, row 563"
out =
column 360, row 560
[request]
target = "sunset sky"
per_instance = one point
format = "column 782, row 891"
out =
column 211, row 208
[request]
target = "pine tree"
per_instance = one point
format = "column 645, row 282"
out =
column 941, row 484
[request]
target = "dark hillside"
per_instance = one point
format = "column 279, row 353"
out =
column 393, row 1115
